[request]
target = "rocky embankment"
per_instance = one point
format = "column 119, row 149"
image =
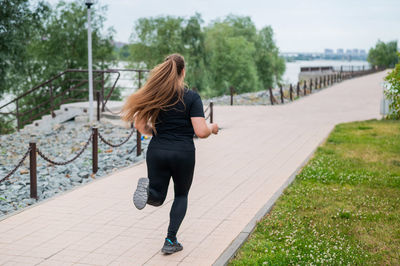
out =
column 60, row 144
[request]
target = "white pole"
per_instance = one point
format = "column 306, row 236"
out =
column 90, row 69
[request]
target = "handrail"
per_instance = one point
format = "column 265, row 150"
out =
column 52, row 87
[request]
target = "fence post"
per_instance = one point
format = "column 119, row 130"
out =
column 211, row 112
column 311, row 83
column 102, row 92
column 95, row 149
column 17, row 114
column 324, row 81
column 305, row 87
column 138, row 143
column 140, row 79
column 98, row 105
column 281, row 91
column 32, row 169
column 231, row 91
column 51, row 101
column 291, row 92
column 316, row 83
column 270, row 95
column 298, row 89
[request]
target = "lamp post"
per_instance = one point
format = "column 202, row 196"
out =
column 89, row 3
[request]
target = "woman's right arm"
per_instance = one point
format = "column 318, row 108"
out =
column 202, row 129
column 143, row 127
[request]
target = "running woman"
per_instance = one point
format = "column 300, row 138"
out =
column 171, row 113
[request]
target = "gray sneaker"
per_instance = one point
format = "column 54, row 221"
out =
column 171, row 246
column 141, row 194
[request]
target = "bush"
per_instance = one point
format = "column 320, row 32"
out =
column 393, row 91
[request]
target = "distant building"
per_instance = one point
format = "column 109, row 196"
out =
column 328, row 52
column 340, row 52
column 354, row 52
column 362, row 52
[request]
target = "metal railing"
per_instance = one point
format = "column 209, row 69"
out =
column 307, row 86
column 62, row 89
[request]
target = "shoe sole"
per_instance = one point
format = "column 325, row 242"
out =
column 170, row 251
column 141, row 194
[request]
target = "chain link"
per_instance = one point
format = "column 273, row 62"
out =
column 69, row 161
column 205, row 111
column 17, row 166
column 108, row 110
column 116, row 145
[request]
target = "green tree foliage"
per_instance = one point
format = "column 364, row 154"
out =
column 156, row 37
column 393, row 92
column 123, row 53
column 57, row 44
column 19, row 22
column 62, row 43
column 270, row 65
column 230, row 60
column 383, row 54
column 228, row 52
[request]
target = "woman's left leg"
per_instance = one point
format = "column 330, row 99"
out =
column 182, row 165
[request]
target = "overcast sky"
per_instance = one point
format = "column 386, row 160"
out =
column 299, row 26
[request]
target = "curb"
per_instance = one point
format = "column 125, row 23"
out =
column 231, row 250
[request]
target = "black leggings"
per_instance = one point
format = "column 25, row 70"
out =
column 161, row 165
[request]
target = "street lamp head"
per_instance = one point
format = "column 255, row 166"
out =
column 89, row 3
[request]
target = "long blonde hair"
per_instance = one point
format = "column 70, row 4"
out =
column 164, row 82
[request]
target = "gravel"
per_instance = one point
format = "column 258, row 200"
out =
column 61, row 143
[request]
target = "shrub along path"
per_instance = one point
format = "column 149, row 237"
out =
column 236, row 173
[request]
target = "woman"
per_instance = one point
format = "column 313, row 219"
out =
column 169, row 112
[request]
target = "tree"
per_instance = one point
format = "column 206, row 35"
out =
column 242, row 57
column 230, row 60
column 383, row 54
column 270, row 66
column 155, row 38
column 59, row 43
column 194, row 51
column 19, row 22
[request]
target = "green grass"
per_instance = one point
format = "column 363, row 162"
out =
column 343, row 208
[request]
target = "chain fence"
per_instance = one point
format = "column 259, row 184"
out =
column 46, row 158
column 17, row 166
column 115, row 145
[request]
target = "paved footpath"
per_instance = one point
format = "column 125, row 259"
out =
column 237, row 172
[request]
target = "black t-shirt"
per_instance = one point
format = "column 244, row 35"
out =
column 174, row 126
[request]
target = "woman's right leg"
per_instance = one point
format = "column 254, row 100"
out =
column 182, row 165
column 159, row 175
